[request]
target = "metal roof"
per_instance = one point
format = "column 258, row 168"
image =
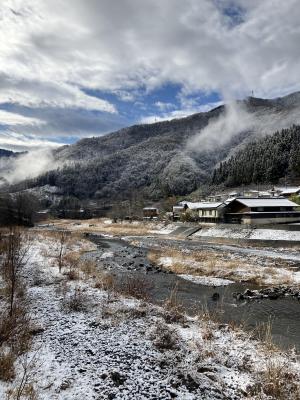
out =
column 266, row 202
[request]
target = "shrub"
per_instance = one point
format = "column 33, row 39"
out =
column 15, row 330
column 76, row 301
column 105, row 281
column 173, row 308
column 165, row 337
column 135, row 286
column 7, row 371
column 277, row 381
column 88, row 268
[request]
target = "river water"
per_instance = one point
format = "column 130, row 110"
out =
column 283, row 314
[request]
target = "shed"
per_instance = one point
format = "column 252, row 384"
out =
column 150, row 212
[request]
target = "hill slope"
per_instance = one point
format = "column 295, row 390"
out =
column 264, row 160
column 166, row 158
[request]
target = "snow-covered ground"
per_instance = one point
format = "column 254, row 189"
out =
column 248, row 233
column 121, row 348
column 164, row 229
column 206, row 280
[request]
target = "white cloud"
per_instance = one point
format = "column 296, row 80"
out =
column 51, row 51
column 9, row 118
column 162, row 106
column 18, row 142
column 178, row 113
column 107, row 46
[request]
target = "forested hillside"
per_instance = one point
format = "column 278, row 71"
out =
column 151, row 160
column 177, row 157
column 264, row 160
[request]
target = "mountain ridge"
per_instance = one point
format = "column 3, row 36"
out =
column 157, row 160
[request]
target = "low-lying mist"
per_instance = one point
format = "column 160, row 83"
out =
column 27, row 166
column 238, row 118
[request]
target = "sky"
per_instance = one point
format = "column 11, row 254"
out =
column 78, row 68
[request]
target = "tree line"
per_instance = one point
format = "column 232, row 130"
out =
column 264, row 160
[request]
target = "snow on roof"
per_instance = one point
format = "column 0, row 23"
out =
column 286, row 188
column 290, row 191
column 202, row 205
column 267, row 202
column 230, row 199
column 149, row 208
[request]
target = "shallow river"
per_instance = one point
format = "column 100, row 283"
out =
column 283, row 313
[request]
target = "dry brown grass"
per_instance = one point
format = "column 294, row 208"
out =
column 105, row 281
column 88, row 268
column 15, row 339
column 98, row 225
column 76, row 300
column 277, row 381
column 263, row 333
column 71, row 265
column 191, row 263
column 174, row 311
column 134, row 286
column 209, row 263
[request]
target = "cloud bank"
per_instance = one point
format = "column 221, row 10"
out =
column 61, row 56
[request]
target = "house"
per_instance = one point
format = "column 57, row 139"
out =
column 256, row 211
column 178, row 211
column 150, row 212
column 264, row 194
column 251, row 193
column 233, row 194
column 206, row 211
column 288, row 192
column 41, row 215
column 215, row 198
column 211, row 212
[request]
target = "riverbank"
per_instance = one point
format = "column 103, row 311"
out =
column 95, row 340
column 196, row 260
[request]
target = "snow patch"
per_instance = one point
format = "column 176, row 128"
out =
column 206, row 280
column 249, row 233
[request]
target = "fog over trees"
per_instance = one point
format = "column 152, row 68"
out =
column 264, row 160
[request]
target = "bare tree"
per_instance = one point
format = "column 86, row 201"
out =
column 25, row 387
column 62, row 242
column 15, row 336
column 15, row 251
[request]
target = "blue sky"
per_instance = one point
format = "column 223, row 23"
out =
column 76, row 69
column 157, row 104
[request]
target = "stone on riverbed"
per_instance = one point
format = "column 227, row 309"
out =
column 272, row 293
